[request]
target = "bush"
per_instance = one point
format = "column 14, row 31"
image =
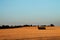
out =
column 52, row 25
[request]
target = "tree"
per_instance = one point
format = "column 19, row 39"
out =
column 52, row 25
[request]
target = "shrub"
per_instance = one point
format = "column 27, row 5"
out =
column 52, row 25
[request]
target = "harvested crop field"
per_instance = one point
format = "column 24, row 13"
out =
column 30, row 33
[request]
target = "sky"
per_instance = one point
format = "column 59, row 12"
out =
column 14, row 12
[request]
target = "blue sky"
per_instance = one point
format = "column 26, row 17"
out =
column 15, row 12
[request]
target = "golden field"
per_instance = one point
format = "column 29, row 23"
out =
column 30, row 33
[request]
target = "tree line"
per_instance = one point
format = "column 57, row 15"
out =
column 17, row 26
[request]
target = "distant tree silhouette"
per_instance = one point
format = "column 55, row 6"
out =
column 3, row 26
column 7, row 26
column 16, row 26
column 52, row 25
column 26, row 25
column 11, row 26
column 0, row 26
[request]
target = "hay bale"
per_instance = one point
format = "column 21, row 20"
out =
column 42, row 27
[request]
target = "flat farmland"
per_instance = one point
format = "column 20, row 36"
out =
column 30, row 33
